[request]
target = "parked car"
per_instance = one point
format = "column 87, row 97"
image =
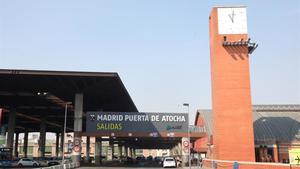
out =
column 158, row 160
column 149, row 158
column 53, row 161
column 169, row 162
column 127, row 160
column 27, row 162
column 5, row 163
column 140, row 158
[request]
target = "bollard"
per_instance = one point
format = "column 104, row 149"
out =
column 235, row 165
column 214, row 164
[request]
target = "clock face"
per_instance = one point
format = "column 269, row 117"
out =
column 232, row 20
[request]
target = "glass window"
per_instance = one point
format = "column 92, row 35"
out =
column 30, row 149
column 48, row 149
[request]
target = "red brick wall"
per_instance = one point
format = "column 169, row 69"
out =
column 231, row 99
column 276, row 158
column 200, row 121
column 200, row 144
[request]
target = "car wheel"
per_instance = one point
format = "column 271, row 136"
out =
column 20, row 165
column 35, row 165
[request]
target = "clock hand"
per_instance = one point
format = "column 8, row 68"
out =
column 231, row 16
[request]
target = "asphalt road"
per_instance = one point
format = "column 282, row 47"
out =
column 134, row 167
column 120, row 167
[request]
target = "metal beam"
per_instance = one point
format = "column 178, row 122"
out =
column 39, row 120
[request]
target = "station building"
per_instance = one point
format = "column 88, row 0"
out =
column 276, row 131
column 38, row 101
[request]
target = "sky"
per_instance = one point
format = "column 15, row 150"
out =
column 159, row 48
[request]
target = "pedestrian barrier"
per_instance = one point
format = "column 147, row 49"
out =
column 64, row 166
column 217, row 164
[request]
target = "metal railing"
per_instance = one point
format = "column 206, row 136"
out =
column 64, row 166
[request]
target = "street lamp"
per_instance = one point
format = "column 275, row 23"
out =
column 65, row 126
column 189, row 137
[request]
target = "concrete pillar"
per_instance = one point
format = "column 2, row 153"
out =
column 62, row 142
column 76, row 155
column 16, row 153
column 110, row 150
column 25, row 146
column 3, row 130
column 120, row 148
column 42, row 140
column 2, row 126
column 130, row 152
column 133, row 153
column 57, row 145
column 172, row 151
column 98, row 151
column 123, row 150
column 179, row 149
column 87, row 159
column 11, row 128
column 126, row 151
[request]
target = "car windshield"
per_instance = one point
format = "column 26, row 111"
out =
column 169, row 159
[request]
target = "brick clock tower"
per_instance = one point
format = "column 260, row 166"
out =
column 230, row 46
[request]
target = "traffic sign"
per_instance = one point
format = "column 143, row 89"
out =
column 76, row 148
column 77, row 142
column 70, row 145
column 294, row 155
column 185, row 143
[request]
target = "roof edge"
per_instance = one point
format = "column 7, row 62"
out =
column 127, row 93
column 57, row 73
column 230, row 6
column 259, row 107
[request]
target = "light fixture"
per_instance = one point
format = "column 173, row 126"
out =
column 40, row 93
column 185, row 104
column 251, row 46
column 248, row 43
